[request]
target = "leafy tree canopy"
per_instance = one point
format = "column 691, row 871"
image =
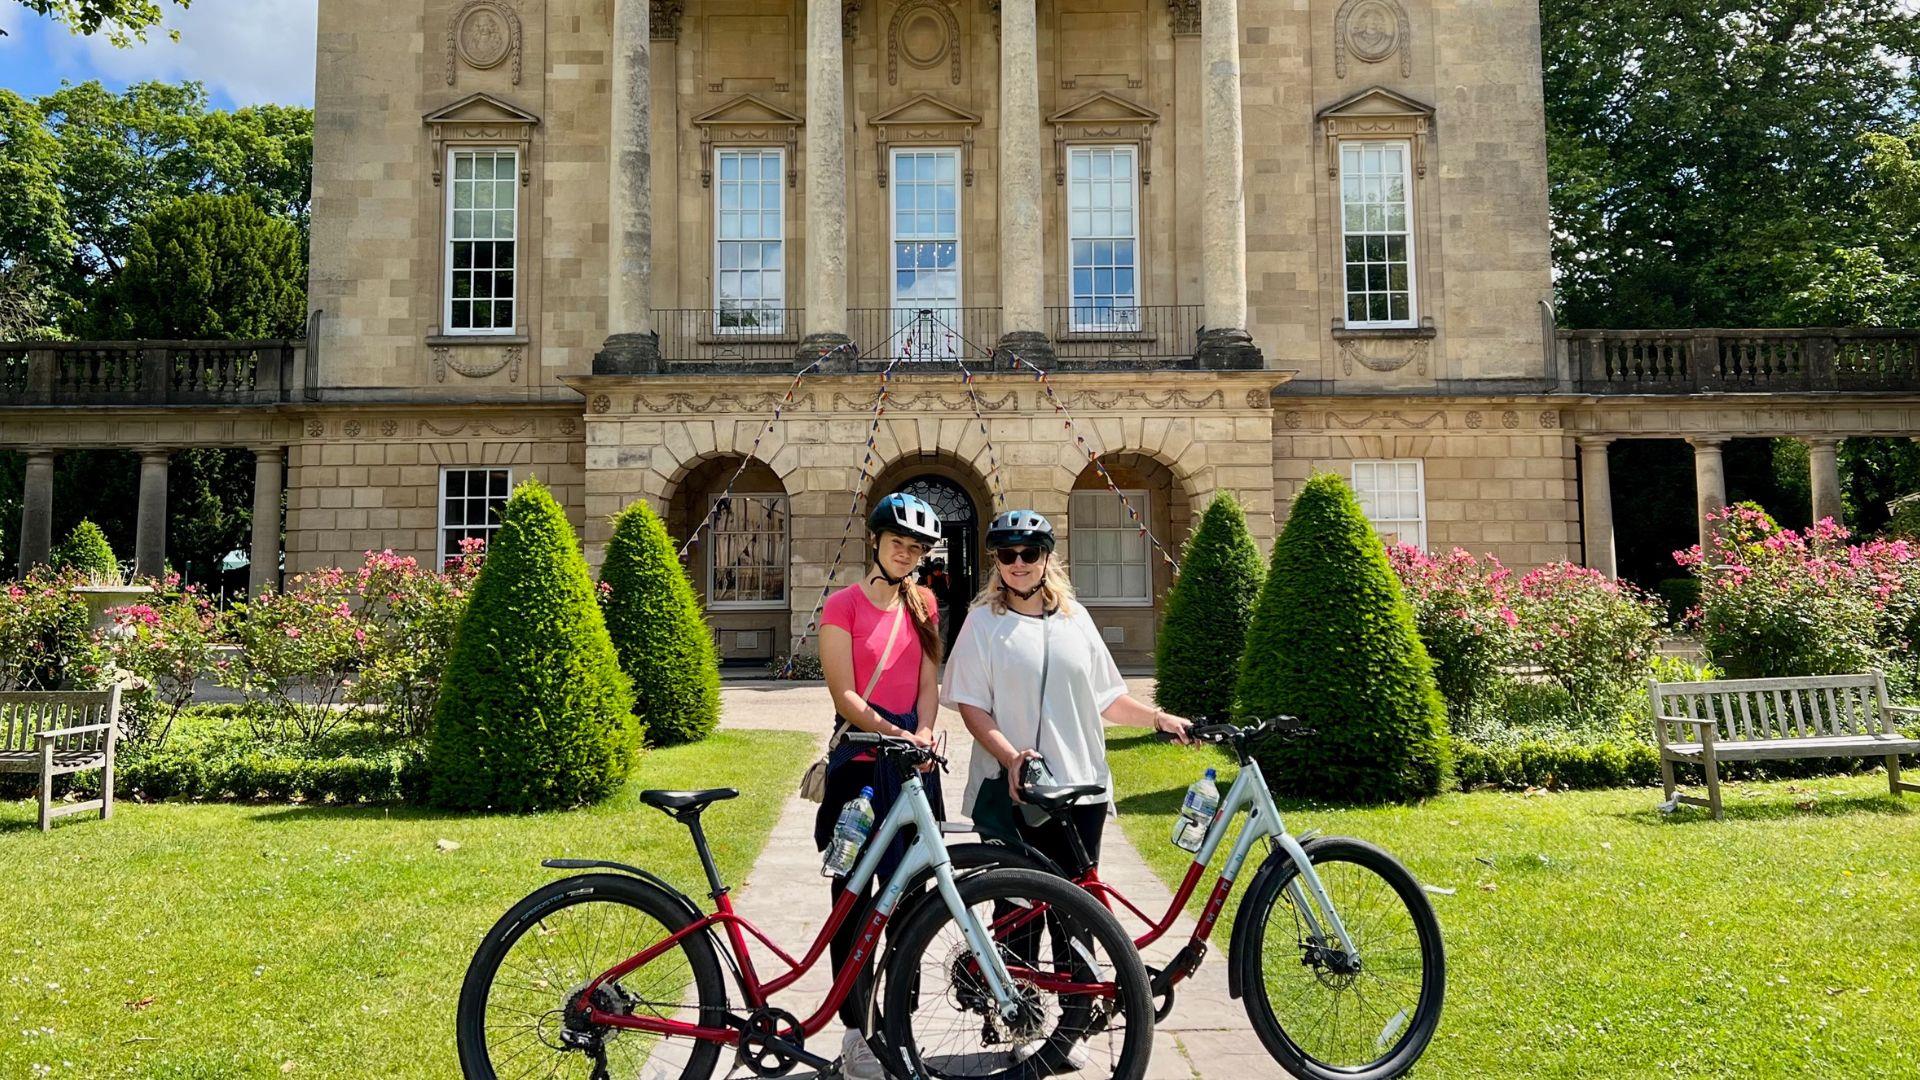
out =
column 123, row 21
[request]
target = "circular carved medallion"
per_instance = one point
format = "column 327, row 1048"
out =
column 483, row 38
column 923, row 39
column 1373, row 31
column 600, row 403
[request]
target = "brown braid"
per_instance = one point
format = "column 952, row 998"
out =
column 916, row 600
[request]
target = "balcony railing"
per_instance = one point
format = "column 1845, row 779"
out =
column 146, row 372
column 1705, row 361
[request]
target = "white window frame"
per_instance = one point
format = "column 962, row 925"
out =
column 1076, row 529
column 778, row 305
column 1131, row 324
column 903, row 312
column 442, row 527
column 786, row 544
column 1413, row 266
column 446, row 252
column 1381, row 524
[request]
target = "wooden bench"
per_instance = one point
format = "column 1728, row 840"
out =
column 58, row 732
column 1814, row 716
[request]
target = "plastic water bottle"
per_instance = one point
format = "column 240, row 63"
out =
column 1196, row 813
column 849, row 835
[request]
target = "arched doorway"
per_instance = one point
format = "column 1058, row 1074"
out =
column 739, row 564
column 952, row 568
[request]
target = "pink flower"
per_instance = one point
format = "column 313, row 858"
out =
column 1507, row 615
column 293, row 631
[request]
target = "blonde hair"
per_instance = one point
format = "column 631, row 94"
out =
column 1056, row 587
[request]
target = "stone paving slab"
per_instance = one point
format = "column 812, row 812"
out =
column 1208, row 1036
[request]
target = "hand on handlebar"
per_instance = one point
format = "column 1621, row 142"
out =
column 1174, row 728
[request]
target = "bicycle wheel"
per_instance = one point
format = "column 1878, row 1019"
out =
column 1321, row 1016
column 517, row 1016
column 1054, row 938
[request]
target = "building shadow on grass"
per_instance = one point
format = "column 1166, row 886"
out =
column 1775, row 806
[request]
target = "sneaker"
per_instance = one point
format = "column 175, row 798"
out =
column 856, row 1058
column 1053, row 1061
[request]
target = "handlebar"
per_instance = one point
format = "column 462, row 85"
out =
column 896, row 747
column 1237, row 735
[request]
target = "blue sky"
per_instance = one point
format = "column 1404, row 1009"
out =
column 245, row 51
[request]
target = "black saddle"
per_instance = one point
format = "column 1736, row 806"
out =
column 1055, row 799
column 686, row 802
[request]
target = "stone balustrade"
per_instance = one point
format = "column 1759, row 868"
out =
column 1859, row 359
column 147, row 373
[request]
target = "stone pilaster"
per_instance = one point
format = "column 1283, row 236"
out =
column 826, row 265
column 1225, row 342
column 150, row 524
column 1596, row 505
column 36, row 511
column 263, row 566
column 1709, row 483
column 1823, row 455
column 632, row 345
column 1022, row 269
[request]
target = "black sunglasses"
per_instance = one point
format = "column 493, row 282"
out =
column 1008, row 556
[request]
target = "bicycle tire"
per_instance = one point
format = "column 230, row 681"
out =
column 1132, row 991
column 543, row 904
column 1250, row 960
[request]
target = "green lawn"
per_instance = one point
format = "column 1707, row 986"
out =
column 186, row 941
column 1590, row 936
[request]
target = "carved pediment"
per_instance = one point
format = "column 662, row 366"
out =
column 1376, row 112
column 477, row 118
column 1107, row 117
column 752, row 120
column 924, row 118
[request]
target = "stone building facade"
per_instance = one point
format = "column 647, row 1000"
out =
column 760, row 260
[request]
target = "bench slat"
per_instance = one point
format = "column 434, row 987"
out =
column 1746, row 720
column 1783, row 749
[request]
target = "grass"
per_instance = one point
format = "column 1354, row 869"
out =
column 184, row 941
column 1591, row 936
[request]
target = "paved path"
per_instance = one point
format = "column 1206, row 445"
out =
column 1207, row 1037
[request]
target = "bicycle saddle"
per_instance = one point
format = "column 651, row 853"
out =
column 674, row 802
column 1055, row 799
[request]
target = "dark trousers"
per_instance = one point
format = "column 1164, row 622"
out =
column 1050, row 837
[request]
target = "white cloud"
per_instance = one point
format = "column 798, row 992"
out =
column 253, row 51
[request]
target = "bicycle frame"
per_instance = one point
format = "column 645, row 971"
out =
column 925, row 852
column 1249, row 793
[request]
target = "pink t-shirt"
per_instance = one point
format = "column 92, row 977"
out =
column 899, row 687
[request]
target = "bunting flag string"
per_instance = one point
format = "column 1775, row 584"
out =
column 993, row 461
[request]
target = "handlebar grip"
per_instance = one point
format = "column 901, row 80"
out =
column 863, row 738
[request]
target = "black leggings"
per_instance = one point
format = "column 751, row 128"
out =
column 1050, row 838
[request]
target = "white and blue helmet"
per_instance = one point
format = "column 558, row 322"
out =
column 908, row 515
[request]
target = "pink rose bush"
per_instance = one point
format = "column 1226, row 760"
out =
column 1777, row 601
column 166, row 645
column 46, row 642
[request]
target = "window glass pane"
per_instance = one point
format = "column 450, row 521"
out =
column 1375, row 221
column 1111, row 560
column 747, row 550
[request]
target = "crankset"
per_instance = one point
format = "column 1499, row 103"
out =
column 764, row 1050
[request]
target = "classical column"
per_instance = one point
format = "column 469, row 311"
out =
column 826, row 265
column 150, row 527
column 263, row 558
column 1224, row 343
column 1022, row 269
column 1709, row 483
column 632, row 346
column 1823, row 455
column 1596, row 504
column 36, row 511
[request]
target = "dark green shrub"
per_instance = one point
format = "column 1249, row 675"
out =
column 1682, row 594
column 1333, row 643
column 86, row 553
column 534, row 711
column 1205, row 630
column 658, row 631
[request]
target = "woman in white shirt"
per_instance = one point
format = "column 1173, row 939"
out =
column 1032, row 678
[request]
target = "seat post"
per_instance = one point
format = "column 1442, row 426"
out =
column 691, row 819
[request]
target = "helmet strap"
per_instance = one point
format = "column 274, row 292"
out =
column 1024, row 594
column 881, row 573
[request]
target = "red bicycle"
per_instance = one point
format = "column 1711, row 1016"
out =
column 594, row 975
column 1336, row 951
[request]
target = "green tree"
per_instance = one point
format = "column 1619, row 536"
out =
column 1205, row 629
column 86, row 551
column 124, row 21
column 534, row 711
column 212, row 267
column 1333, row 642
column 655, row 622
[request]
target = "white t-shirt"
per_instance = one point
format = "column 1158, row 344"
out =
column 995, row 665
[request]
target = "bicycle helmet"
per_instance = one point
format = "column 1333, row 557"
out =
column 1017, row 527
column 908, row 515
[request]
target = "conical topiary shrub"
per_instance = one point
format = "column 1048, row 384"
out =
column 657, row 629
column 534, row 711
column 1205, row 630
column 1333, row 643
column 86, row 552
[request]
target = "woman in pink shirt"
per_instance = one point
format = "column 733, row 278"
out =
column 880, row 649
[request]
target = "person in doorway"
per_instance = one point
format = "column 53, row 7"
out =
column 880, row 648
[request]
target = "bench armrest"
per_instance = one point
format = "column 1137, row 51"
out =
column 57, row 733
column 1905, row 710
column 1696, row 721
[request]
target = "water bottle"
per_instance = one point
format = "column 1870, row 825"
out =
column 1196, row 813
column 849, row 835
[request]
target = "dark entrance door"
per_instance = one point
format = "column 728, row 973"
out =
column 952, row 568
